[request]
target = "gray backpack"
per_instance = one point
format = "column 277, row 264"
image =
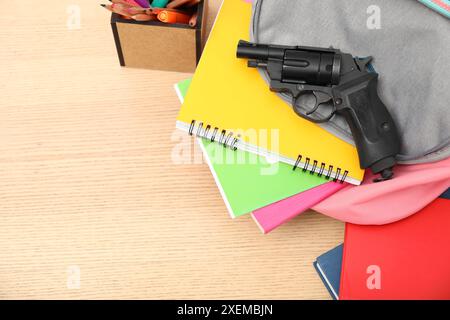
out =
column 410, row 44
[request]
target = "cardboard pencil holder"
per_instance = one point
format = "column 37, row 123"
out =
column 158, row 45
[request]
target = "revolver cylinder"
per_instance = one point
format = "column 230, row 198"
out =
column 299, row 64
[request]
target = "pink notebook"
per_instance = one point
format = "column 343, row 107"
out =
column 270, row 217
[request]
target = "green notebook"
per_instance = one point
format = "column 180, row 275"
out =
column 248, row 181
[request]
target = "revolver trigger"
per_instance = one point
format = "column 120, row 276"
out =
column 321, row 98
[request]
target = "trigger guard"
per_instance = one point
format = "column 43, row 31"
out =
column 298, row 111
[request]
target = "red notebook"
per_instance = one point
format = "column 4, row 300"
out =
column 409, row 259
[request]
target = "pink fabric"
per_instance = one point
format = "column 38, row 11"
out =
column 413, row 187
column 275, row 214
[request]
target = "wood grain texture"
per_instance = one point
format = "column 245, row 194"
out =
column 87, row 180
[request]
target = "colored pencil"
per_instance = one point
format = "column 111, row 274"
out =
column 193, row 19
column 177, row 3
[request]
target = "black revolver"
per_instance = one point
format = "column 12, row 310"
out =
column 325, row 82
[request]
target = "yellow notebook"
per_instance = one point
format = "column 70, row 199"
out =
column 231, row 104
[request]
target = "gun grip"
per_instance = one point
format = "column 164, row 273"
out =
column 374, row 131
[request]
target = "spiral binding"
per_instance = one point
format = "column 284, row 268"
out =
column 227, row 139
column 337, row 177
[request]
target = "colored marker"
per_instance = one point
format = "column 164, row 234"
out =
column 173, row 17
column 143, row 3
column 159, row 3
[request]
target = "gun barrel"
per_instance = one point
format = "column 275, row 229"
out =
column 247, row 50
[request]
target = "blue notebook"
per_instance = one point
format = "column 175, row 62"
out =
column 446, row 194
column 328, row 266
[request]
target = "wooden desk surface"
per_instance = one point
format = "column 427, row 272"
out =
column 88, row 187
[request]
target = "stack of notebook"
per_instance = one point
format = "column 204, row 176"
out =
column 408, row 259
column 272, row 164
column 252, row 140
